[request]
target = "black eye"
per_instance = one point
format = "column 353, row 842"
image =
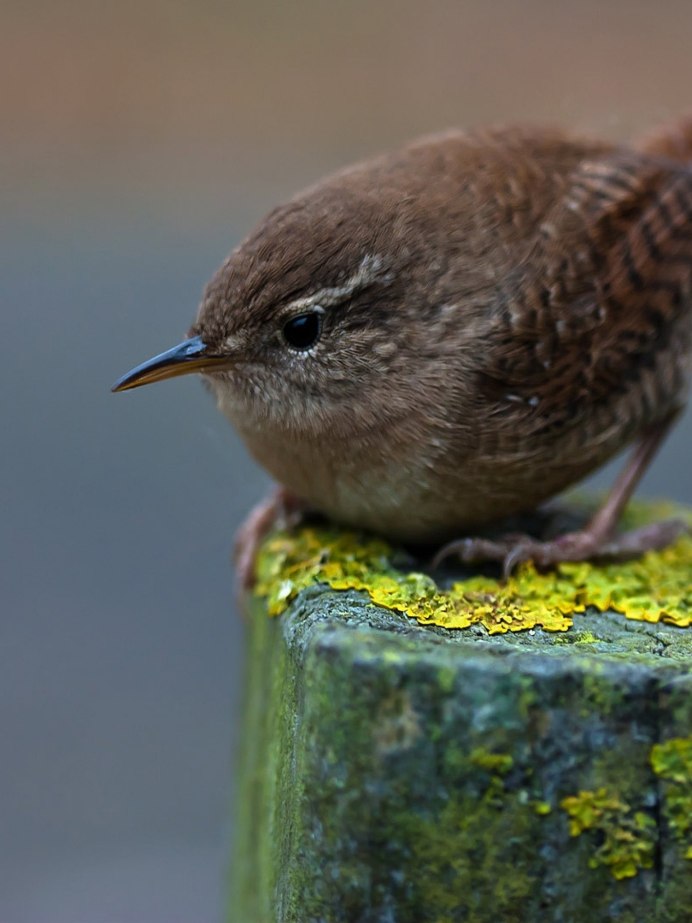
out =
column 303, row 330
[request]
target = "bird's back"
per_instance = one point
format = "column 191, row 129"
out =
column 572, row 262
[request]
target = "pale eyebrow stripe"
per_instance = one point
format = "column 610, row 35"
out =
column 368, row 271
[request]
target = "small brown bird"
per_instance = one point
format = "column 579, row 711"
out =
column 439, row 337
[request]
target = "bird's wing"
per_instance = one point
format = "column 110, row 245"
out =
column 606, row 287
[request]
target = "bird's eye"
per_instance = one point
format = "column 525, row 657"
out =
column 303, row 330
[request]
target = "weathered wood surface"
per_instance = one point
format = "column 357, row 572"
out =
column 399, row 773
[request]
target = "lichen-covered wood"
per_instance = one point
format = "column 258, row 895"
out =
column 654, row 588
column 399, row 773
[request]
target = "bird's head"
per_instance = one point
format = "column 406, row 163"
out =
column 312, row 323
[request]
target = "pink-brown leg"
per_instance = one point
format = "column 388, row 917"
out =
column 280, row 508
column 596, row 540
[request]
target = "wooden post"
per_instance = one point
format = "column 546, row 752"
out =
column 394, row 772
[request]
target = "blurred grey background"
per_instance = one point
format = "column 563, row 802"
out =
column 139, row 141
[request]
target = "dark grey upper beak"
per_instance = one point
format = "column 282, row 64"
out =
column 189, row 356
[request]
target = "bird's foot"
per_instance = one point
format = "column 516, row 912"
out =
column 279, row 509
column 582, row 545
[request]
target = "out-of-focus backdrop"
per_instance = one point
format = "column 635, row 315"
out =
column 138, row 142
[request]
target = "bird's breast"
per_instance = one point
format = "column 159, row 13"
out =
column 424, row 485
column 351, row 483
column 417, row 492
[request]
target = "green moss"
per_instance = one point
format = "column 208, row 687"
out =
column 487, row 835
column 600, row 694
column 446, row 678
column 585, row 637
column 654, row 588
column 497, row 763
column 628, row 837
column 253, row 861
column 672, row 762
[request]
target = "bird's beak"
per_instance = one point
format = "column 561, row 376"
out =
column 189, row 356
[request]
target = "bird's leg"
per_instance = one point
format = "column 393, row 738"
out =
column 597, row 539
column 279, row 508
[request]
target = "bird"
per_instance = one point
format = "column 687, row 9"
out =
column 439, row 337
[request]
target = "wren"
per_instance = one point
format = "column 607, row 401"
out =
column 431, row 340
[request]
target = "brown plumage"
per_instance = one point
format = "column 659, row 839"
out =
column 495, row 314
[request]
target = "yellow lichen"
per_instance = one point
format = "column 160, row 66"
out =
column 542, row 808
column 628, row 837
column 672, row 762
column 654, row 588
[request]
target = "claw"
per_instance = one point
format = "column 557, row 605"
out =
column 583, row 545
column 597, row 539
column 515, row 556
